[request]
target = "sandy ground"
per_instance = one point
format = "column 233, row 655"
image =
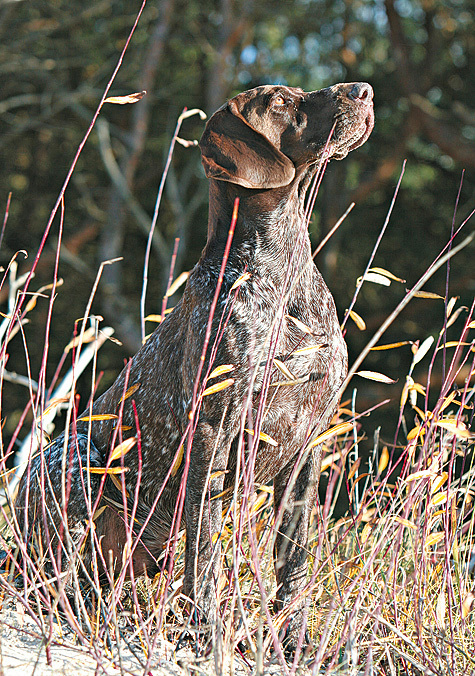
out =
column 22, row 653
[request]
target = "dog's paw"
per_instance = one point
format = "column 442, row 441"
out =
column 291, row 639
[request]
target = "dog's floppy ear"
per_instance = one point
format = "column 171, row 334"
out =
column 232, row 150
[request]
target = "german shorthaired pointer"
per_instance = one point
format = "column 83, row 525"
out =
column 277, row 324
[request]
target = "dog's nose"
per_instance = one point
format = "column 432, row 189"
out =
column 361, row 91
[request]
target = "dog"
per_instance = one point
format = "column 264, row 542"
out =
column 255, row 306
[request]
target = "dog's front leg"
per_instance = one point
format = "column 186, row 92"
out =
column 294, row 498
column 203, row 517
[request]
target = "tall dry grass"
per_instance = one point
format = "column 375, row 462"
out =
column 390, row 586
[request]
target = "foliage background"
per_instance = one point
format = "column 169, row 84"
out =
column 56, row 57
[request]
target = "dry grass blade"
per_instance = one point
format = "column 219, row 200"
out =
column 220, row 370
column 421, row 351
column 240, row 280
column 378, row 377
column 428, row 294
column 98, row 416
column 178, row 460
column 359, row 321
column 128, row 98
column 106, row 470
column 218, row 387
column 342, row 428
column 284, row 369
column 308, row 350
column 386, row 273
column 383, row 460
column 263, row 437
column 456, row 428
column 392, row 346
column 122, row 449
column 129, row 392
column 178, row 282
column 375, row 278
column 300, row 325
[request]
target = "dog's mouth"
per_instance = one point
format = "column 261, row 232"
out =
column 369, row 124
column 341, row 150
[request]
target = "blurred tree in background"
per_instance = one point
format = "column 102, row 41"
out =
column 56, row 57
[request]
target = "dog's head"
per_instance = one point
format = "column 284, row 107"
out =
column 260, row 138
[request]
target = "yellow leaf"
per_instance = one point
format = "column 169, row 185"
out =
column 453, row 318
column 467, row 604
column 428, row 294
column 123, row 448
column 55, row 402
column 266, row 489
column 306, row 350
column 259, row 501
column 438, row 499
column 99, row 416
column 283, row 369
column 455, row 547
column 456, row 428
column 87, row 337
column 216, row 475
column 391, row 346
column 354, row 468
column 375, row 278
column 300, row 325
column 128, row 98
column 130, row 391
column 451, row 305
column 219, row 370
column 342, row 428
column 423, row 474
column 471, row 325
column 329, row 460
column 405, row 522
column 440, row 610
column 386, row 273
column 98, row 512
column 422, row 415
column 365, row 533
column 240, row 280
column 379, row 377
column 414, row 433
column 359, row 321
column 264, row 437
column 383, row 460
column 421, row 351
column 157, row 318
column 405, row 390
column 177, row 461
column 218, row 387
column 447, row 401
column 438, row 481
column 107, row 470
column 419, row 388
column 434, row 538
column 452, row 343
column 117, row 483
column 179, row 281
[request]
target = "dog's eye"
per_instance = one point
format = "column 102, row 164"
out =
column 279, row 101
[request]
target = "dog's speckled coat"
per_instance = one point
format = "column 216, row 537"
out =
column 264, row 146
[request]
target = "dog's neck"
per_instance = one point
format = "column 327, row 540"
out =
column 268, row 220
